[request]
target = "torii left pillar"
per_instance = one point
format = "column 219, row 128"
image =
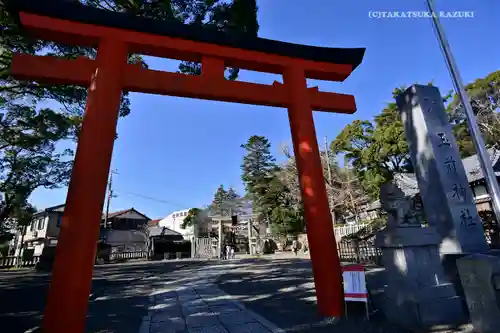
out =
column 76, row 246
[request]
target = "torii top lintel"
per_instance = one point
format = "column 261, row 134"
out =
column 72, row 23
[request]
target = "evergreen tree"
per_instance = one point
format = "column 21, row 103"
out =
column 231, row 195
column 258, row 171
column 218, row 203
column 225, row 202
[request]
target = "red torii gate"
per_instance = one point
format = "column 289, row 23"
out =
column 115, row 35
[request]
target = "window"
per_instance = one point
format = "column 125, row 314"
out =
column 59, row 219
column 41, row 223
column 185, row 214
column 33, row 226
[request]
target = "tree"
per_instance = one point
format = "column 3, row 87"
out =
column 21, row 217
column 71, row 98
column 258, row 171
column 286, row 221
column 375, row 150
column 28, row 156
column 36, row 163
column 484, row 94
column 267, row 185
column 192, row 218
column 231, row 195
column 289, row 176
column 235, row 17
column 351, row 192
column 147, row 239
column 343, row 187
column 225, row 202
column 218, row 203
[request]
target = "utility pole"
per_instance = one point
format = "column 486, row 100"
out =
column 110, row 196
column 477, row 139
column 330, row 197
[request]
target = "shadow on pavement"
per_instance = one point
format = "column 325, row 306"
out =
column 118, row 301
column 283, row 292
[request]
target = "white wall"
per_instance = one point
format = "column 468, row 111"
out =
column 174, row 222
column 38, row 228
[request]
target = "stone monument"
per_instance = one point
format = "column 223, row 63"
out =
column 446, row 195
column 417, row 294
column 480, row 276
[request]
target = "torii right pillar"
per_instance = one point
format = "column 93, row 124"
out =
column 320, row 233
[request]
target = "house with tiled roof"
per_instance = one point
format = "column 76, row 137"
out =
column 126, row 219
column 121, row 228
column 154, row 223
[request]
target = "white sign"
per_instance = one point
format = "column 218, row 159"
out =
column 354, row 283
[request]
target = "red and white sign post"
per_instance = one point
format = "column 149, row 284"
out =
column 355, row 286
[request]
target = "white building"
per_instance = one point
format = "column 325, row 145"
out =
column 174, row 222
column 43, row 231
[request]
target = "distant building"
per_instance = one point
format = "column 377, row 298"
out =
column 43, row 231
column 174, row 222
column 154, row 223
column 209, row 223
column 122, row 231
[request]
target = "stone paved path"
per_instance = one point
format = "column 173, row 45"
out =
column 201, row 308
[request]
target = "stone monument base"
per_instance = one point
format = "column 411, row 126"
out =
column 417, row 294
column 480, row 276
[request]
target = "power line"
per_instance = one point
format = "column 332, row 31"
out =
column 155, row 199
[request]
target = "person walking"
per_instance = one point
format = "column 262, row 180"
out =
column 232, row 252
column 295, row 247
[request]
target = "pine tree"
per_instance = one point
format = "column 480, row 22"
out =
column 218, row 203
column 258, row 171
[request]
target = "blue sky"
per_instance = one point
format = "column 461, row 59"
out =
column 177, row 151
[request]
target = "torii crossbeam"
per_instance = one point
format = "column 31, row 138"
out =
column 116, row 35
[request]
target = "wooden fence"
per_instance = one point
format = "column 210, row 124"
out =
column 13, row 261
column 361, row 252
